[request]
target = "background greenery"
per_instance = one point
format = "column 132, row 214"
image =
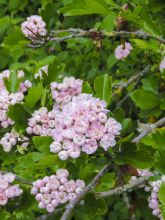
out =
column 145, row 100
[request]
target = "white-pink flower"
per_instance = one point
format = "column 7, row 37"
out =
column 8, row 191
column 34, row 27
column 122, row 51
column 56, row 189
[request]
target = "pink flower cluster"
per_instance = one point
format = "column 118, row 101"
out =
column 11, row 139
column 42, row 122
column 34, row 27
column 153, row 199
column 24, row 86
column 8, row 191
column 144, row 173
column 162, row 64
column 82, row 125
column 7, row 99
column 54, row 190
column 122, row 51
column 63, row 92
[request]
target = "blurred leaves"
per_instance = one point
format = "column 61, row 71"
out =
column 85, row 7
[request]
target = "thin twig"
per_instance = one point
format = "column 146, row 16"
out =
column 77, row 33
column 148, row 129
column 134, row 78
column 88, row 188
column 121, row 189
column 117, row 190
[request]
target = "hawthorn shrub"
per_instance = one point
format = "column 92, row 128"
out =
column 82, row 87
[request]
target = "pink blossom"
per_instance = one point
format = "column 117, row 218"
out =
column 57, row 190
column 34, row 27
column 8, row 191
column 122, row 51
column 3, row 198
column 112, row 126
column 90, row 146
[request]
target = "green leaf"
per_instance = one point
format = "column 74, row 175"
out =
column 54, row 69
column 96, row 206
column 106, row 182
column 28, row 161
column 126, row 139
column 13, row 38
column 155, row 139
column 34, row 95
column 92, row 209
column 147, row 23
column 159, row 158
column 146, row 45
column 4, row 24
column 12, row 83
column 119, row 114
column 126, row 126
column 85, row 7
column 151, row 84
column 162, row 208
column 129, row 155
column 108, row 22
column 103, row 87
column 37, row 161
column 144, row 99
column 17, row 4
column 161, row 194
column 48, row 161
column 86, row 88
column 19, row 115
column 4, row 214
column 42, row 143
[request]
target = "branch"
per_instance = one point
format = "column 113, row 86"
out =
column 148, row 129
column 88, row 188
column 122, row 189
column 124, row 85
column 117, row 190
column 136, row 77
column 20, row 179
column 97, row 35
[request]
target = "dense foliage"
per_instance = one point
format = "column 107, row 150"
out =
column 111, row 50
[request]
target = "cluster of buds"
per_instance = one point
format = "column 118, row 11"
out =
column 42, row 122
column 83, row 125
column 54, row 190
column 63, row 92
column 141, row 173
column 123, row 50
column 11, row 139
column 34, row 27
column 153, row 199
column 7, row 190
